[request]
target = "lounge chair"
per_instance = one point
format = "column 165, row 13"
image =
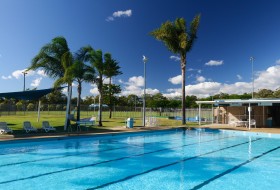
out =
column 28, row 127
column 4, row 128
column 46, row 126
column 86, row 122
column 253, row 122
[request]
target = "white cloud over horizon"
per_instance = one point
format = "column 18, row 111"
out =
column 267, row 79
column 135, row 85
column 214, row 63
column 116, row 14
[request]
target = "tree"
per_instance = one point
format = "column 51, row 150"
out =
column 55, row 97
column 133, row 100
column 179, row 40
column 112, row 70
column 276, row 93
column 95, row 58
column 190, row 101
column 264, row 93
column 157, row 101
column 50, row 58
column 109, row 90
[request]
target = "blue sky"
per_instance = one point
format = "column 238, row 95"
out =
column 230, row 33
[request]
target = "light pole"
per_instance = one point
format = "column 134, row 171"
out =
column 252, row 61
column 24, row 73
column 145, row 59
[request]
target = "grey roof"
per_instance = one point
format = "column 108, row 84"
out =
column 239, row 101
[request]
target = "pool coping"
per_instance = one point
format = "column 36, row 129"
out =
column 136, row 130
column 87, row 135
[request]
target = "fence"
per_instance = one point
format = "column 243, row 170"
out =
column 120, row 111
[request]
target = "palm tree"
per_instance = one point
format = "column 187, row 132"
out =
column 95, row 59
column 80, row 73
column 179, row 40
column 50, row 58
column 112, row 69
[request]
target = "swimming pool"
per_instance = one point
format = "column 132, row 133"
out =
column 174, row 159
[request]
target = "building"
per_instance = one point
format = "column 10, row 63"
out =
column 266, row 112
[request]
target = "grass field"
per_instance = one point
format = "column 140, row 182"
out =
column 57, row 120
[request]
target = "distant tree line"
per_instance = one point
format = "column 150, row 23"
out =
column 57, row 98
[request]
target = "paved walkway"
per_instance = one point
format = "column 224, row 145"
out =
column 227, row 127
column 122, row 129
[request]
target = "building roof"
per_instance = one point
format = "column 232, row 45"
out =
column 239, row 102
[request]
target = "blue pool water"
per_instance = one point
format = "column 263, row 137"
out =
column 175, row 159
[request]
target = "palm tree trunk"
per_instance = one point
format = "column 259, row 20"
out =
column 68, row 107
column 100, row 110
column 79, row 101
column 110, row 98
column 183, row 68
column 100, row 102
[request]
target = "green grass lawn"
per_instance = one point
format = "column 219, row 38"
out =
column 57, row 119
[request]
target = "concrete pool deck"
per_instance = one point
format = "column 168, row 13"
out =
column 122, row 129
column 228, row 127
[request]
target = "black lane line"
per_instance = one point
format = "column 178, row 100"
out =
column 167, row 165
column 106, row 161
column 89, row 152
column 232, row 169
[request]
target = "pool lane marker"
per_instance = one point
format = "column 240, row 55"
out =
column 167, row 165
column 232, row 169
column 92, row 152
column 117, row 159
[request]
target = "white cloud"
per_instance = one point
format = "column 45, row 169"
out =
column 64, row 91
column 198, row 70
column 176, row 80
column 135, row 85
column 175, row 58
column 214, row 63
column 106, row 81
column 41, row 73
column 239, row 77
column 18, row 73
column 268, row 79
column 200, row 79
column 136, row 81
column 151, row 91
column 110, row 18
column 126, row 13
column 94, row 91
column 116, row 14
column 6, row 78
column 36, row 82
column 277, row 61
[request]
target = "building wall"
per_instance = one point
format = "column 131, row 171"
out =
column 228, row 114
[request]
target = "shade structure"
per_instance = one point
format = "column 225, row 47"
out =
column 28, row 95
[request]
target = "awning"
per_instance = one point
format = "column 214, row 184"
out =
column 28, row 95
